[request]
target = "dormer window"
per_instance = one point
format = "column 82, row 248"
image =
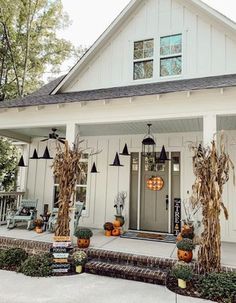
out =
column 143, row 59
column 171, row 55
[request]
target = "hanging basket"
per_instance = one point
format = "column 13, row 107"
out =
column 155, row 183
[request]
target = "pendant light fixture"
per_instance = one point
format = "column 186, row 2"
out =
column 125, row 151
column 163, row 156
column 94, row 169
column 46, row 154
column 116, row 161
column 148, row 143
column 21, row 162
column 35, row 155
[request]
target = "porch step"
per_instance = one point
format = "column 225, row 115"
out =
column 130, row 259
column 129, row 272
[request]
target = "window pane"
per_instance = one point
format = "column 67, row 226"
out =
column 81, row 194
column 82, row 179
column 138, row 50
column 148, row 48
column 171, row 45
column 171, row 66
column 143, row 70
column 143, row 49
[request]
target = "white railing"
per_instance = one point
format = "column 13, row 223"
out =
column 8, row 201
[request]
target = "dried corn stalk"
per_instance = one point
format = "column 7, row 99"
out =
column 66, row 168
column 211, row 166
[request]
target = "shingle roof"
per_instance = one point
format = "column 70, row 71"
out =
column 43, row 97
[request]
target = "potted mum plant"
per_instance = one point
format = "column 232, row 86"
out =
column 108, row 227
column 79, row 258
column 185, row 250
column 38, row 223
column 183, row 272
column 119, row 204
column 83, row 237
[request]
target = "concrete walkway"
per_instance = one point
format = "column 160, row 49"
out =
column 17, row 288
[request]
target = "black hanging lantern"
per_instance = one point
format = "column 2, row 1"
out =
column 35, row 155
column 21, row 162
column 116, row 161
column 148, row 144
column 163, row 156
column 46, row 154
column 94, row 169
column 125, row 151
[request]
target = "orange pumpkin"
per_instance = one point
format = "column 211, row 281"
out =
column 116, row 223
column 107, row 233
column 184, row 255
column 83, row 243
column 38, row 230
column 115, row 232
column 179, row 237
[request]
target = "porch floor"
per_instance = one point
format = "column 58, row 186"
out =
column 141, row 247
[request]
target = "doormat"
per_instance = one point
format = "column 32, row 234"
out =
column 156, row 237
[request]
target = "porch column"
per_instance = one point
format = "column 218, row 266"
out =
column 72, row 131
column 209, row 129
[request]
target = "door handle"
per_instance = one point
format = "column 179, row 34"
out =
column 167, row 202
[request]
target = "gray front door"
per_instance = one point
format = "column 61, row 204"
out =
column 154, row 203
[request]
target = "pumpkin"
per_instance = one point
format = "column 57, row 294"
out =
column 38, row 230
column 179, row 237
column 107, row 233
column 83, row 243
column 184, row 255
column 116, row 223
column 187, row 230
column 115, row 232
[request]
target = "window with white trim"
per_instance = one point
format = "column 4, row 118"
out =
column 143, row 59
column 81, row 186
column 171, row 55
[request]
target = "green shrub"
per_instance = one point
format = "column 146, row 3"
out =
column 79, row 258
column 186, row 245
column 220, row 287
column 83, row 233
column 182, row 270
column 37, row 266
column 12, row 257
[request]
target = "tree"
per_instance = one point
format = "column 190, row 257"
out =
column 8, row 165
column 211, row 167
column 29, row 44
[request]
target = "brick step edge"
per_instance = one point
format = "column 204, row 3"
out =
column 126, row 272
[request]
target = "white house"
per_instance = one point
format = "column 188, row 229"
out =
column 171, row 63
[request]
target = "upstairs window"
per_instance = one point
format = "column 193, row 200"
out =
column 143, row 59
column 171, row 55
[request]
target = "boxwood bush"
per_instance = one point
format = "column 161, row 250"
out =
column 220, row 287
column 12, row 258
column 37, row 266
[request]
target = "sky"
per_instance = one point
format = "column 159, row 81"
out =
column 91, row 17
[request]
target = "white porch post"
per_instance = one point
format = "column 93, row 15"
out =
column 209, row 129
column 23, row 172
column 72, row 131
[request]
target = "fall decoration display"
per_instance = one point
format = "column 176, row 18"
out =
column 155, row 183
column 211, row 167
column 108, row 227
column 184, row 251
column 79, row 259
column 116, row 223
column 183, row 272
column 83, row 237
column 119, row 204
column 115, row 232
column 38, row 225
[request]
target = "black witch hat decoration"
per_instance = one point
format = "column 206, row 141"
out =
column 125, row 151
column 116, row 161
column 94, row 169
column 35, row 155
column 163, row 156
column 22, row 162
column 46, row 154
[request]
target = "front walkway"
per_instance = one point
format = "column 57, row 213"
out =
column 17, row 288
column 140, row 247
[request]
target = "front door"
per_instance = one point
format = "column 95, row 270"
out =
column 154, row 206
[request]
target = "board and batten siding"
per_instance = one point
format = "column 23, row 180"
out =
column 208, row 49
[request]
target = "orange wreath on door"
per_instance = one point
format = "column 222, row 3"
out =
column 155, row 183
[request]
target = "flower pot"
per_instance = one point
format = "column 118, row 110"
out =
column 181, row 283
column 38, row 230
column 185, row 256
column 83, row 243
column 121, row 219
column 79, row 269
column 107, row 233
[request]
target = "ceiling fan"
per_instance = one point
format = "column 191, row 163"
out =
column 53, row 135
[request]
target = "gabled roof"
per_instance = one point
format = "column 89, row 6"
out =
column 129, row 9
column 122, row 92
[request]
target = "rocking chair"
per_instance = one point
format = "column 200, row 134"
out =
column 26, row 212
